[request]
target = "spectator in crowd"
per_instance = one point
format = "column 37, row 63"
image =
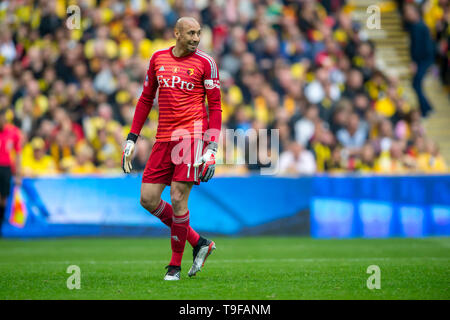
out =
column 338, row 163
column 367, row 161
column 83, row 162
column 304, row 128
column 390, row 161
column 436, row 15
column 62, row 147
column 35, row 161
column 354, row 134
column 322, row 145
column 422, row 53
column 297, row 160
column 385, row 136
column 430, row 161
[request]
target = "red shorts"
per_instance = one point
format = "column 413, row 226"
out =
column 174, row 161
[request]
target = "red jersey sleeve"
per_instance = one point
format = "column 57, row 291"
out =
column 145, row 102
column 211, row 82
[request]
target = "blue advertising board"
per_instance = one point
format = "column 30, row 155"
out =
column 325, row 206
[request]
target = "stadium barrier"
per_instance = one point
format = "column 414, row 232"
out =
column 319, row 206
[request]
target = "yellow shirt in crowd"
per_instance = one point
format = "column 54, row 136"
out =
column 34, row 167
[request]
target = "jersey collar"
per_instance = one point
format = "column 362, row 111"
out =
column 180, row 58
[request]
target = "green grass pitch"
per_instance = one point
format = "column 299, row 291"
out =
column 240, row 268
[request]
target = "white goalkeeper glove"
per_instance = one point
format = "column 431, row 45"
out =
column 128, row 152
column 208, row 159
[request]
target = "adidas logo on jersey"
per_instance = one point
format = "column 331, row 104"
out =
column 162, row 68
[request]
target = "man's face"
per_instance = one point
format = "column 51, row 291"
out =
column 188, row 36
column 410, row 13
column 39, row 153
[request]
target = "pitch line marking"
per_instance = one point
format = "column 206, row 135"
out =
column 217, row 261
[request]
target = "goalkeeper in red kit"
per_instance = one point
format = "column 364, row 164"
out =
column 186, row 139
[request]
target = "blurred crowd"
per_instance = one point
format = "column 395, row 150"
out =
column 300, row 66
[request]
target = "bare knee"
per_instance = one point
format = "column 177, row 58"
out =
column 179, row 202
column 150, row 202
column 151, row 195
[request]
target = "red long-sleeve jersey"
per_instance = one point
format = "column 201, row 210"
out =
column 183, row 83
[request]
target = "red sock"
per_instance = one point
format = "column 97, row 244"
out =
column 178, row 235
column 164, row 212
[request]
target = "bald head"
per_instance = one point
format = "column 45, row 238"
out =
column 187, row 33
column 186, row 22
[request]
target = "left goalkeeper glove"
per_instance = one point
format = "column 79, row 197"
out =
column 128, row 152
column 208, row 159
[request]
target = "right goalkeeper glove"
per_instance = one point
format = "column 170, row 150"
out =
column 209, row 162
column 128, row 152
